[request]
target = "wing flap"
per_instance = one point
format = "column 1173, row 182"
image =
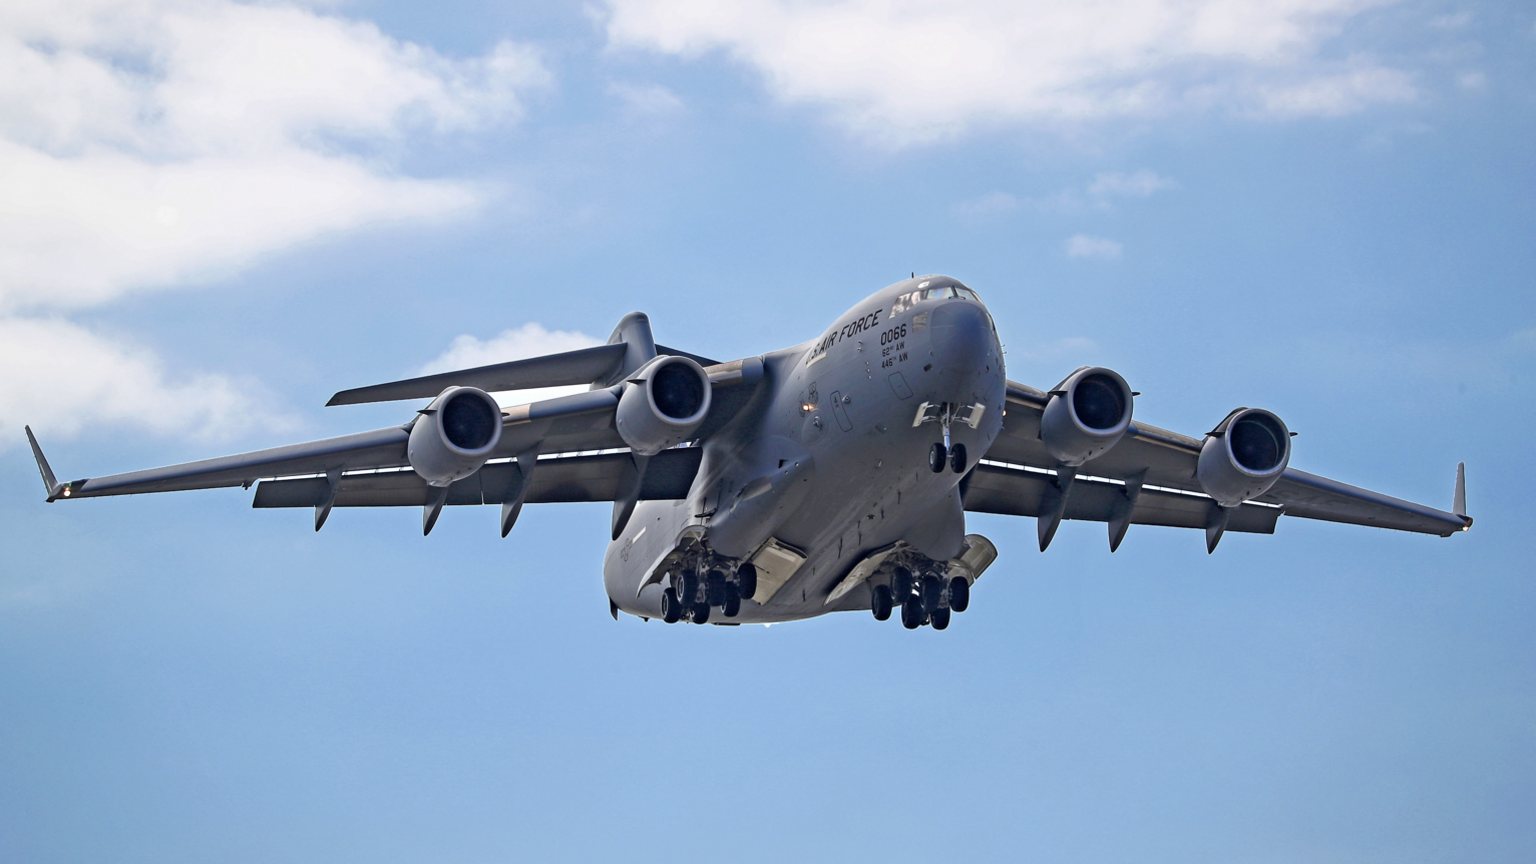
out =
column 1016, row 491
column 558, row 479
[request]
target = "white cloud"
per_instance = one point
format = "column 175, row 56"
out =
column 1084, row 246
column 148, row 143
column 651, row 101
column 919, row 70
column 59, row 378
column 529, row 340
column 1335, row 95
column 991, row 204
column 1140, row 184
column 1472, row 80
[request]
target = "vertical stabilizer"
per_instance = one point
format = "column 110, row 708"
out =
column 634, row 332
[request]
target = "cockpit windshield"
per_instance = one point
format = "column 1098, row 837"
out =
column 935, row 292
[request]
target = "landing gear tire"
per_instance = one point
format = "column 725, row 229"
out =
column 701, row 613
column 959, row 594
column 912, row 612
column 881, row 603
column 933, row 594
column 901, row 583
column 732, row 606
column 939, row 619
column 746, row 581
column 957, row 458
column 937, row 456
column 689, row 590
column 671, row 607
column 714, row 588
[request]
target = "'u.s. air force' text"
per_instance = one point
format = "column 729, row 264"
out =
column 852, row 328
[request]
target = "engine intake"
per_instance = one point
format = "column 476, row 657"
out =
column 1088, row 413
column 663, row 403
column 1244, row 456
column 454, row 435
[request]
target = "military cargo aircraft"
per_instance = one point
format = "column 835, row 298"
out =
column 834, row 475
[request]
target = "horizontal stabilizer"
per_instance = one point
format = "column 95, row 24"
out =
column 702, row 361
column 582, row 366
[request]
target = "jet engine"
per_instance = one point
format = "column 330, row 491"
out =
column 1243, row 456
column 454, row 435
column 1088, row 413
column 663, row 403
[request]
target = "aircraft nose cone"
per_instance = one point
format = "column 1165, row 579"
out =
column 962, row 336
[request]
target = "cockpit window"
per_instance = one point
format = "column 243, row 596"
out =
column 938, row 292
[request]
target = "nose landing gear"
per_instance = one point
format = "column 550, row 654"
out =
column 944, row 452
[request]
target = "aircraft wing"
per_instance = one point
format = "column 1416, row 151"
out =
column 1149, row 477
column 568, row 423
column 557, row 450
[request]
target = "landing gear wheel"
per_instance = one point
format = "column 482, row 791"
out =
column 901, row 583
column 746, row 581
column 959, row 594
column 937, row 456
column 933, row 594
column 688, row 591
column 701, row 613
column 671, row 607
column 957, row 458
column 939, row 619
column 880, row 603
column 912, row 612
column 714, row 588
column 732, row 605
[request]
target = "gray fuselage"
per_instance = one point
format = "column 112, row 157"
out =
column 831, row 458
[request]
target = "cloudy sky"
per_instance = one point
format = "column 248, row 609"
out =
column 214, row 214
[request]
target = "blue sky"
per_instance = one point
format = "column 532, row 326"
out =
column 216, row 215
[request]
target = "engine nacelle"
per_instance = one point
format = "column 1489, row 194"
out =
column 1088, row 413
column 1244, row 456
column 663, row 403
column 454, row 435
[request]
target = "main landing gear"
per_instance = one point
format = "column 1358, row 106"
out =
column 693, row 596
column 926, row 599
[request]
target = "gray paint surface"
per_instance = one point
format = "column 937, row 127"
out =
column 821, row 449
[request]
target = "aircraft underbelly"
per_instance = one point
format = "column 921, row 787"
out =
column 838, row 467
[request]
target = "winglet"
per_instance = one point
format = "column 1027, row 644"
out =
column 50, row 483
column 1459, row 503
